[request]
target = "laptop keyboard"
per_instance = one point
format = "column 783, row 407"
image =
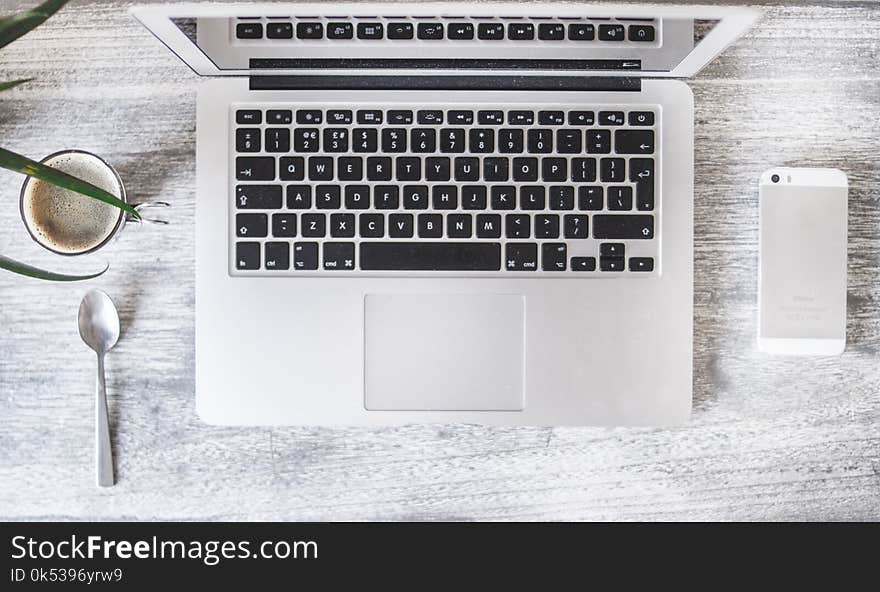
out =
column 485, row 190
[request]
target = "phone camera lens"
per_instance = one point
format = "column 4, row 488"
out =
column 775, row 178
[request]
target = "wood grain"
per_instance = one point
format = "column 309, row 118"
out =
column 771, row 438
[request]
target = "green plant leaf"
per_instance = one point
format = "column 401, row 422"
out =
column 13, row 83
column 41, row 274
column 22, row 164
column 13, row 27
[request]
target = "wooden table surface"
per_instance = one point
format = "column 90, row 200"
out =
column 771, row 438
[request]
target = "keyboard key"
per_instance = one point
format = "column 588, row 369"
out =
column 351, row 168
column 581, row 32
column 611, row 33
column 551, row 117
column 247, row 140
column 623, row 226
column 305, row 256
column 620, row 198
column 612, row 250
column 430, row 117
column 398, row 117
column 583, row 264
column 452, row 140
column 335, row 139
column 309, row 30
column 611, row 263
column 641, row 33
column 284, row 225
column 328, row 197
column 641, row 172
column 277, row 256
column 532, row 197
column 357, row 197
column 591, row 197
column 309, row 116
column 408, row 168
column 554, row 256
column 460, row 117
column 339, row 116
column 386, row 197
column 547, row 226
column 551, row 31
column 415, row 197
column 338, row 256
column 581, row 118
column 400, row 226
column 503, row 197
column 279, row 31
column 583, row 170
column 255, row 168
column 365, row 140
column 467, row 169
column 641, row 118
column 520, row 31
column 561, row 197
column 482, row 140
column 249, row 31
column 279, row 117
column 305, row 139
column 299, row 197
column 277, row 139
column 369, row 116
column 525, row 169
column 540, row 141
column 641, row 264
column 634, row 141
column 458, row 31
column 517, row 225
column 342, row 225
column 370, row 31
column 576, row 226
column 490, row 31
column 378, row 168
column 340, row 31
column 520, row 117
column 258, row 197
column 292, row 168
column 568, row 141
column 612, row 170
column 610, row 117
column 459, row 226
column 473, row 197
column 488, row 226
column 400, row 31
column 371, row 225
column 521, row 257
column 430, row 31
column 444, row 197
column 598, row 141
column 510, row 141
column 314, row 226
column 247, row 255
column 496, row 169
column 430, row 256
column 251, row 225
column 490, row 117
column 249, row 116
column 430, row 226
column 423, row 140
column 320, row 168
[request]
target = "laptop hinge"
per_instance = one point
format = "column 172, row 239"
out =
column 483, row 82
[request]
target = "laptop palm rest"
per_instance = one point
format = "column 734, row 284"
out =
column 444, row 352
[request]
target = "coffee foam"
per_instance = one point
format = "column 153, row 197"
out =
column 64, row 220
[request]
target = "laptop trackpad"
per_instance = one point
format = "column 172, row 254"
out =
column 443, row 352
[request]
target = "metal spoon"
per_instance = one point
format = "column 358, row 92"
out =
column 99, row 328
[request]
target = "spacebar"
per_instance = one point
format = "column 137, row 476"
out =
column 423, row 256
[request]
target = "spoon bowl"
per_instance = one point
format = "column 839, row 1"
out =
column 99, row 328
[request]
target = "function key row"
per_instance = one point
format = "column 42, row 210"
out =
column 439, row 117
column 438, row 31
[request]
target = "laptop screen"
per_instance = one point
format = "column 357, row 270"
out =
column 392, row 39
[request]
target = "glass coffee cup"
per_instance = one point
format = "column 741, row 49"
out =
column 68, row 223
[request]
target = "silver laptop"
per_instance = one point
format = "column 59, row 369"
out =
column 444, row 212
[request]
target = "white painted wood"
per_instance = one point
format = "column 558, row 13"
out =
column 771, row 438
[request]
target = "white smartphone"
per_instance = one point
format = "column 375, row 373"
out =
column 802, row 261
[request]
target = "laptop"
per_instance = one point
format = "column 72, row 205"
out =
column 457, row 212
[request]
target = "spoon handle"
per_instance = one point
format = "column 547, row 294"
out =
column 103, row 453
